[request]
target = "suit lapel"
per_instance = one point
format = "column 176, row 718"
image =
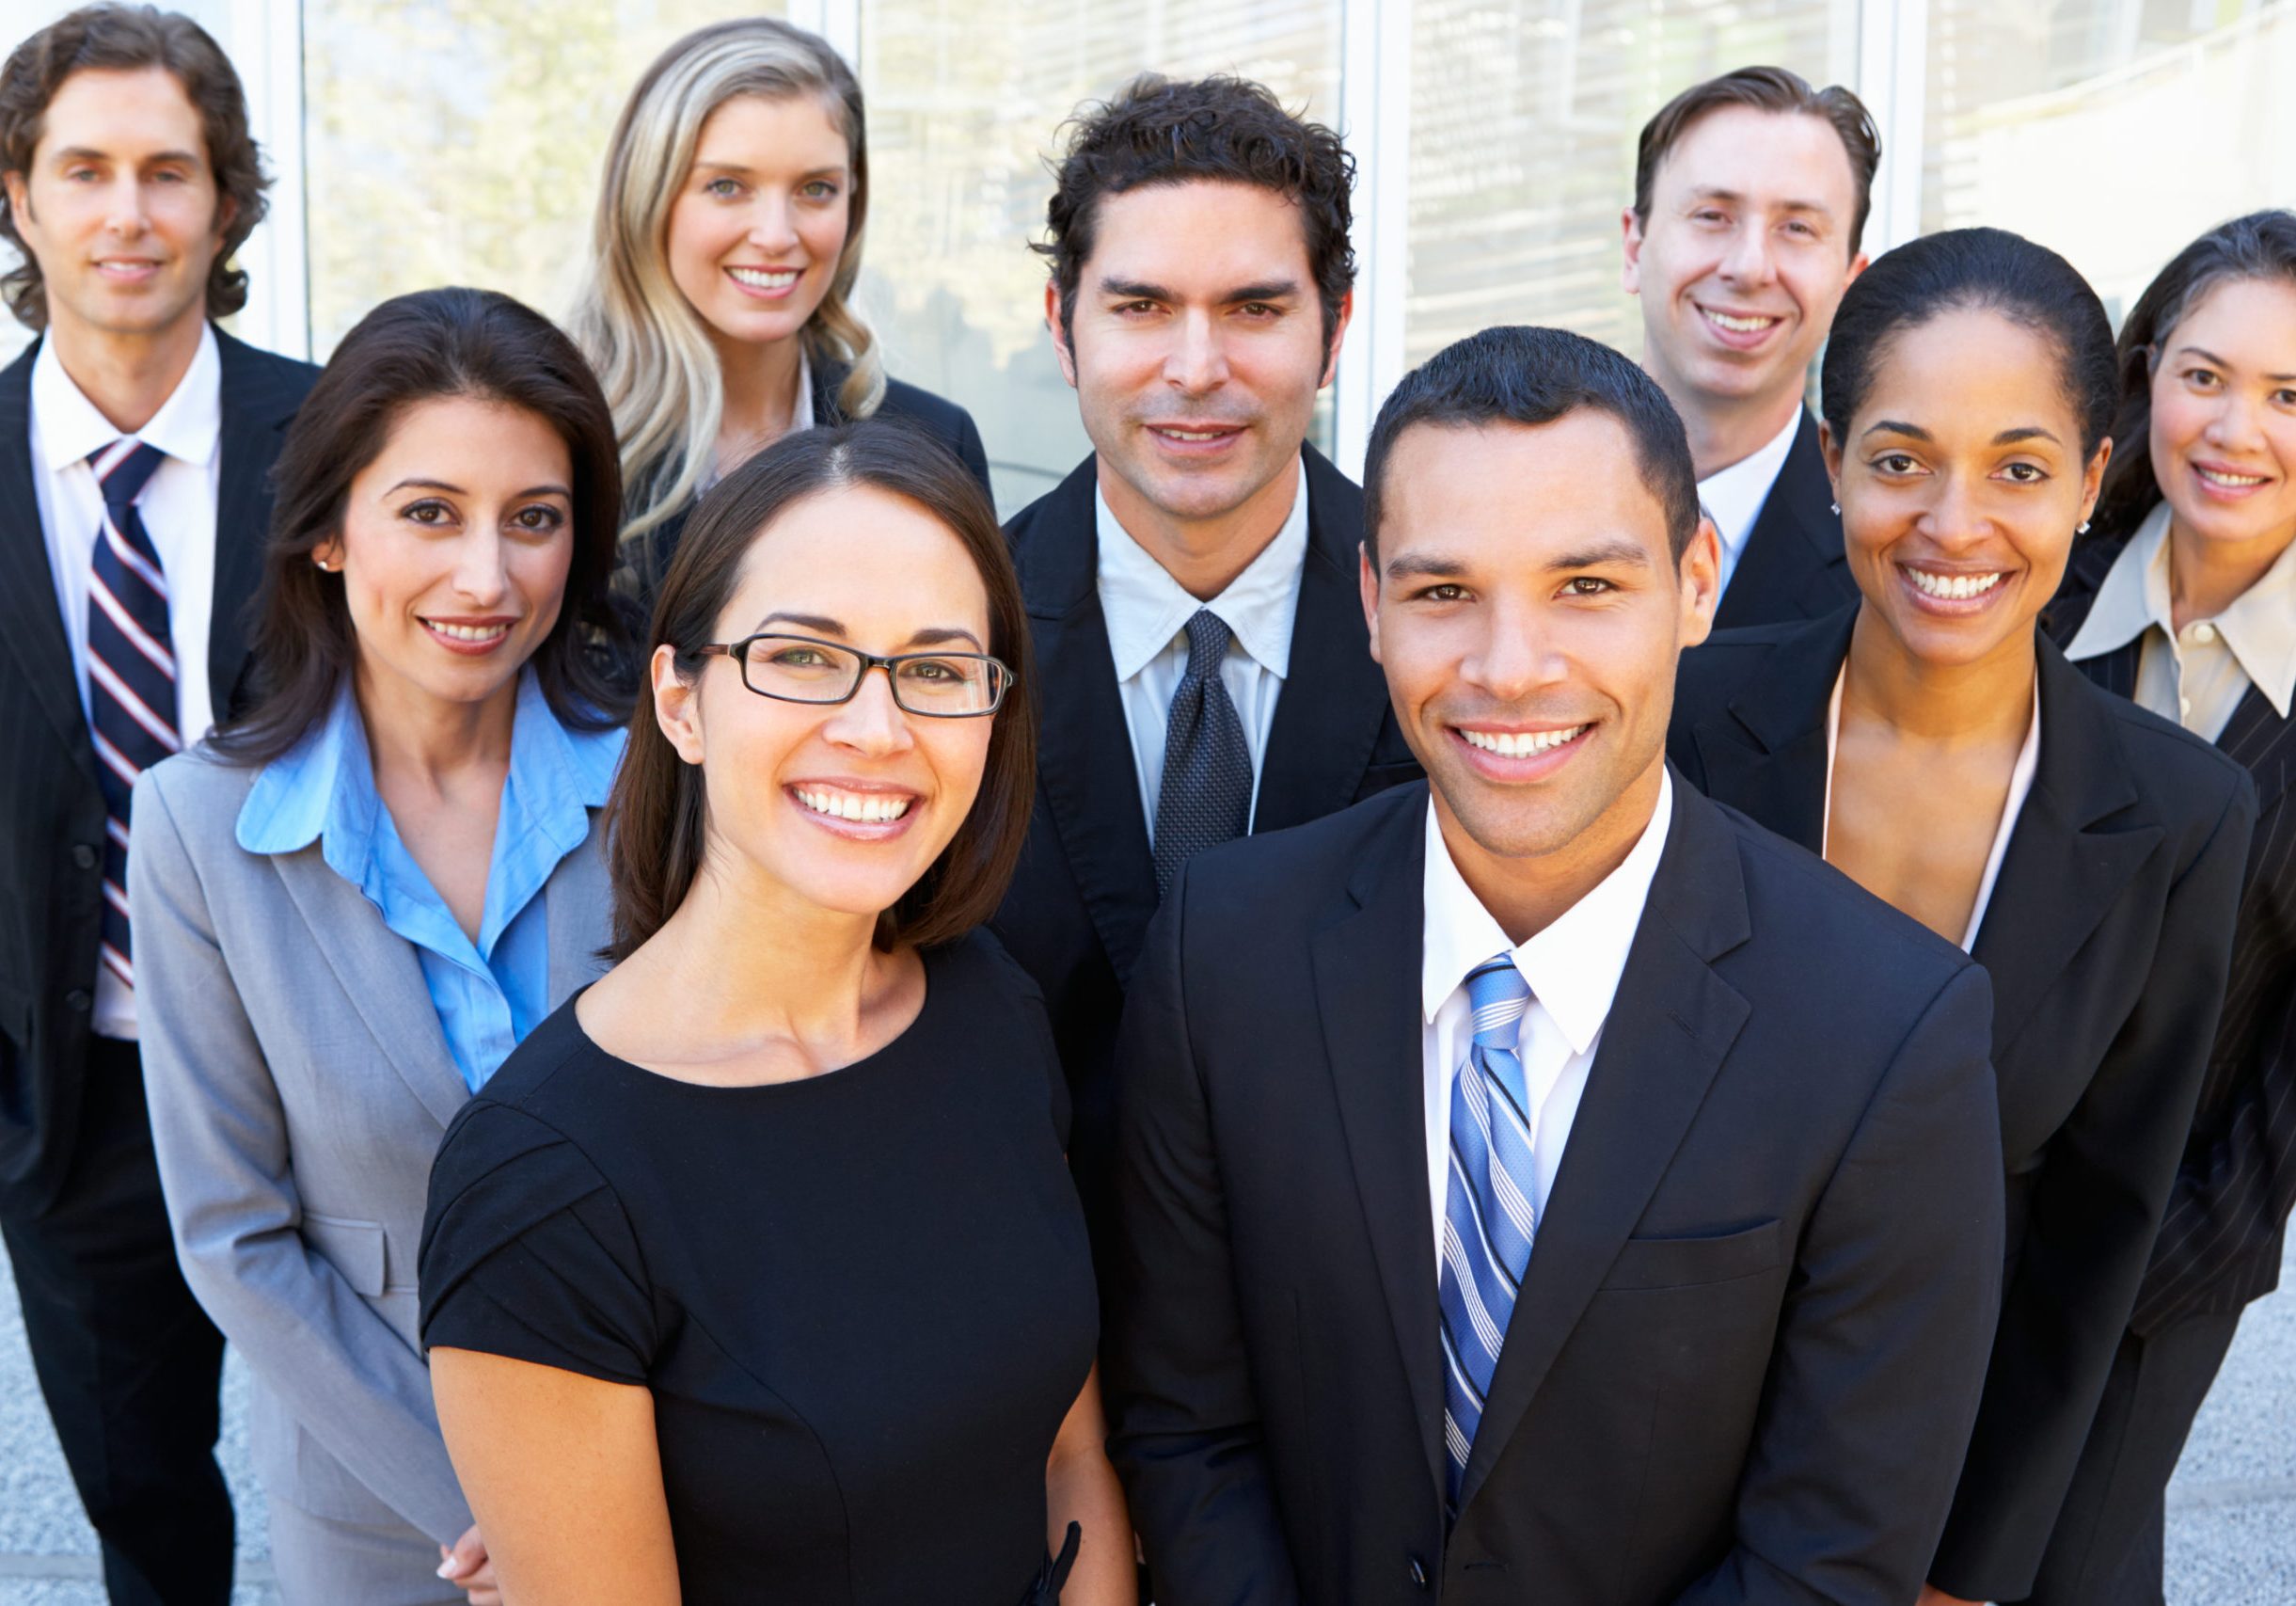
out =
column 256, row 406
column 1766, row 757
column 380, row 976
column 1087, row 772
column 1333, row 697
column 1793, row 550
column 1671, row 1023
column 576, row 904
column 1367, row 980
column 30, row 622
column 2065, row 855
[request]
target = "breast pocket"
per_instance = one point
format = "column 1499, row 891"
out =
column 354, row 1248
column 1692, row 1261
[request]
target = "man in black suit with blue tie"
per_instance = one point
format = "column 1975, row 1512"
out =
column 1201, row 665
column 1544, row 1186
column 136, row 442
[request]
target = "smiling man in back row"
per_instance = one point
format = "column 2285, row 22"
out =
column 1545, row 1187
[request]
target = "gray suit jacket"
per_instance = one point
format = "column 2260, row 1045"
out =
column 300, row 1084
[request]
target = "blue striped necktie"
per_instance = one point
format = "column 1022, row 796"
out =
column 1488, row 1220
column 131, row 670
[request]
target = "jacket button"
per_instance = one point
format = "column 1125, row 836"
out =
column 80, row 1000
column 1418, row 1572
column 84, row 856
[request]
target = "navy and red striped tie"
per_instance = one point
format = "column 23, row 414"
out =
column 131, row 670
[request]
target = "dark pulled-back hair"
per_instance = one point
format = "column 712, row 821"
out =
column 128, row 39
column 1963, row 270
column 1162, row 131
column 1524, row 375
column 658, row 820
column 1764, row 89
column 2262, row 247
column 430, row 345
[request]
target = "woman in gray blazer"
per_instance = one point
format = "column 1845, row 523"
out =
column 351, row 901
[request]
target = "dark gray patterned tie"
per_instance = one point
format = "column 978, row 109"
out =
column 1205, row 798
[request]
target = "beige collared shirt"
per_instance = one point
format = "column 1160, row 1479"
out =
column 2196, row 676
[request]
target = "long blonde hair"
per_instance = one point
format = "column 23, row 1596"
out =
column 651, row 349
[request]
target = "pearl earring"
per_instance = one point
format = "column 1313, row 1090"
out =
column 324, row 565
column 2084, row 528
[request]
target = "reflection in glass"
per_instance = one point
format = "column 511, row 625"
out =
column 459, row 141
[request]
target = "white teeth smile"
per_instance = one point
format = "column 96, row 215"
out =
column 1519, row 743
column 1955, row 587
column 868, row 808
column 1737, row 326
column 1195, row 435
column 2230, row 482
column 469, row 632
column 758, row 279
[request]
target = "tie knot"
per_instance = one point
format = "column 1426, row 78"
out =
column 122, row 469
column 1208, row 639
column 1497, row 995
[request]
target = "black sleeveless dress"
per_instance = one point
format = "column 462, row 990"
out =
column 863, row 1302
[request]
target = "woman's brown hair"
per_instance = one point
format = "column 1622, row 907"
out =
column 658, row 820
column 426, row 346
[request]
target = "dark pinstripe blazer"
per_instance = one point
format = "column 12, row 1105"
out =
column 50, row 811
column 2219, row 1242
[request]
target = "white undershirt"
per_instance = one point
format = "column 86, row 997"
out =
column 1147, row 613
column 1572, row 967
column 178, row 505
column 2021, row 784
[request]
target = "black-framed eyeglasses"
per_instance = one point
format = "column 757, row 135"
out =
column 803, row 669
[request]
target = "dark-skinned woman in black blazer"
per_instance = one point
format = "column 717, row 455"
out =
column 1934, row 746
column 2184, row 598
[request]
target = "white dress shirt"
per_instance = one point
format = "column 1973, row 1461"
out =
column 2195, row 676
column 1735, row 496
column 178, row 505
column 1148, row 614
column 1572, row 967
column 2021, row 784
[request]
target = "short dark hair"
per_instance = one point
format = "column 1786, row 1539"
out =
column 128, row 39
column 2259, row 246
column 429, row 346
column 1974, row 270
column 1163, row 131
column 658, row 818
column 1764, row 89
column 1530, row 376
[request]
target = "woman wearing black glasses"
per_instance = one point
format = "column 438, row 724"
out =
column 756, row 1273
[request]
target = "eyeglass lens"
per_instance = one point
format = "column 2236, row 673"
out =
column 815, row 671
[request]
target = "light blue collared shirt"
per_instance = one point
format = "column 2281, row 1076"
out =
column 490, row 993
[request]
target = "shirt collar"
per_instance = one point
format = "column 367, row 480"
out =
column 1145, row 608
column 2258, row 626
column 1733, row 497
column 322, row 789
column 1574, row 963
column 185, row 427
column 2133, row 596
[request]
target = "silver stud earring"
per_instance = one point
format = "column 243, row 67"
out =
column 1837, row 510
column 2084, row 528
column 324, row 565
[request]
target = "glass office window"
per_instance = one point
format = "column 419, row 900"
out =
column 966, row 98
column 460, row 141
column 1523, row 115
column 2112, row 130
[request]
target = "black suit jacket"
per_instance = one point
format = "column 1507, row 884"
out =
column 1793, row 567
column 2107, row 939
column 51, row 809
column 943, row 422
column 2220, row 1243
column 1086, row 888
column 1748, row 1346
